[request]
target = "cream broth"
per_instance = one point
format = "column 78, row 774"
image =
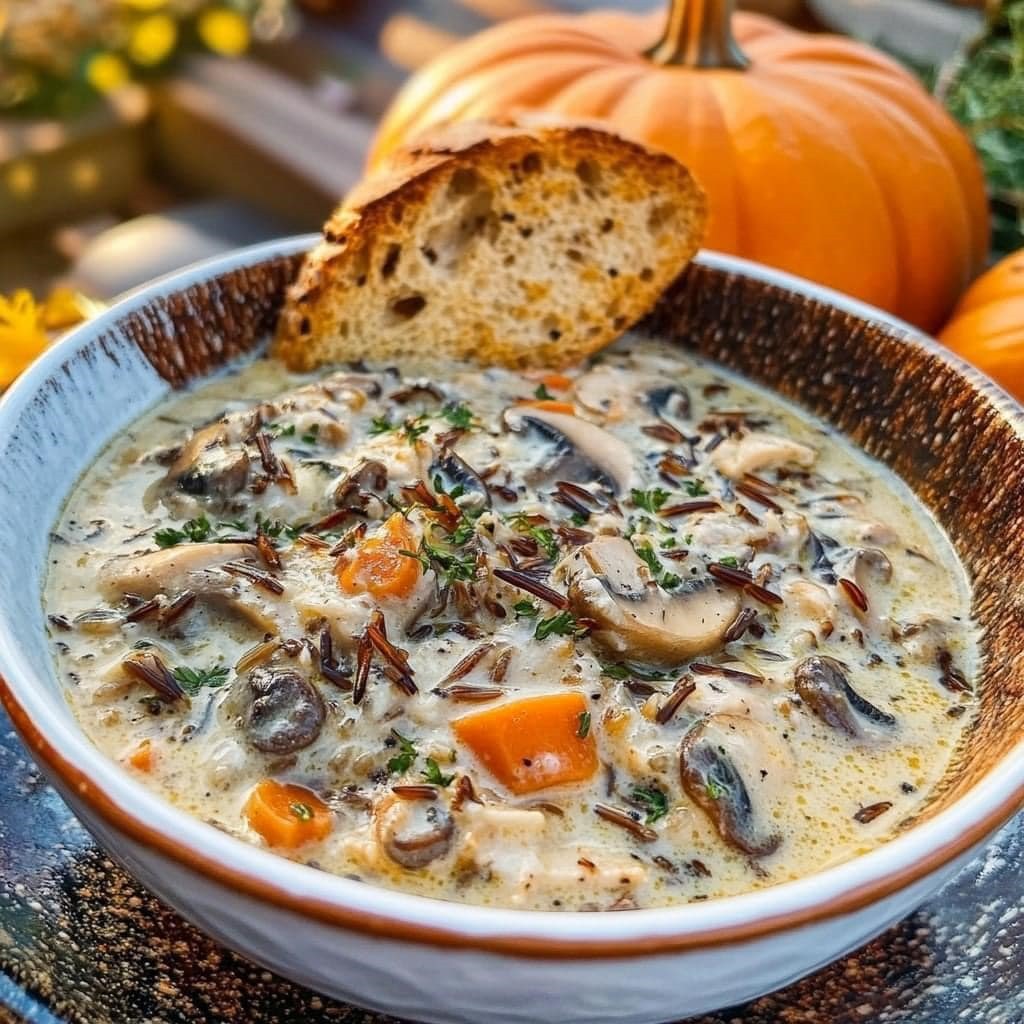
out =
column 635, row 635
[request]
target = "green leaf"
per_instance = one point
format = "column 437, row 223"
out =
column 649, row 501
column 415, row 427
column 542, row 394
column 380, row 425
column 193, row 680
column 695, row 488
column 312, row 435
column 196, row 531
column 713, row 790
column 301, row 811
column 583, row 729
column 543, row 535
column 562, row 624
column 403, row 760
column 458, row 415
column 730, row 560
column 525, row 610
column 434, row 776
column 652, row 800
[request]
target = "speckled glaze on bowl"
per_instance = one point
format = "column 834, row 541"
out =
column 951, row 434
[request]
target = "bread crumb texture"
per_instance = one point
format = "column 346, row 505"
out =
column 509, row 246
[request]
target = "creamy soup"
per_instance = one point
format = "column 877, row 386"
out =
column 633, row 635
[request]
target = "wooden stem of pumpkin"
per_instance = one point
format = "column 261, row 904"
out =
column 698, row 34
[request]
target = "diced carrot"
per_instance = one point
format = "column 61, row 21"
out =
column 556, row 381
column 551, row 405
column 143, row 757
column 533, row 743
column 378, row 565
column 287, row 815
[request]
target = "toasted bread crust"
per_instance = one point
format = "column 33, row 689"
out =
column 507, row 246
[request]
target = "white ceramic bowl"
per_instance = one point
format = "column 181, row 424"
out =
column 439, row 961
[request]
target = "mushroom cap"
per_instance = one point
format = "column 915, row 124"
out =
column 588, row 452
column 637, row 620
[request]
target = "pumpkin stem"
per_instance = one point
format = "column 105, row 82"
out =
column 698, row 34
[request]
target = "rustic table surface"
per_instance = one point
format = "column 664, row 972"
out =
column 81, row 942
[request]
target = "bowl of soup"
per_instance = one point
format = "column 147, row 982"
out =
column 466, row 693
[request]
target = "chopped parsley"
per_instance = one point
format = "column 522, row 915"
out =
column 583, row 729
column 406, row 755
column 312, row 435
column 276, row 430
column 449, row 566
column 301, row 811
column 458, row 414
column 434, row 776
column 653, row 801
column 668, row 580
column 649, row 501
column 381, row 425
column 730, row 560
column 195, row 531
column 192, row 680
column 525, row 610
column 695, row 488
column 415, row 427
column 542, row 393
column 562, row 624
column 714, row 790
column 544, row 536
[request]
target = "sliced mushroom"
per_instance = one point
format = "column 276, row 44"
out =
column 455, row 473
column 579, row 451
column 168, row 570
column 733, row 769
column 735, row 457
column 637, row 620
column 422, row 389
column 199, row 568
column 357, row 487
column 284, row 712
column 209, row 466
column 824, row 688
column 413, row 832
column 670, row 402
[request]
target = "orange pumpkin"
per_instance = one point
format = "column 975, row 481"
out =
column 819, row 155
column 987, row 326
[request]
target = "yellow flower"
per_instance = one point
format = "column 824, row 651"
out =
column 152, row 39
column 22, row 336
column 106, row 72
column 224, row 31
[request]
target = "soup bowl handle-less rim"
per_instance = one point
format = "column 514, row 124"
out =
column 399, row 952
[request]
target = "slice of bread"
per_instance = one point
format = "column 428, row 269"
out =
column 514, row 246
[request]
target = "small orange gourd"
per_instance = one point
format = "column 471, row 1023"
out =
column 819, row 155
column 987, row 326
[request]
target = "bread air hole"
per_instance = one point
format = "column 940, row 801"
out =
column 532, row 163
column 660, row 215
column 391, row 260
column 407, row 306
column 647, row 274
column 470, row 216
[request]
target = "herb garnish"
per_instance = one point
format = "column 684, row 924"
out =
column 301, row 811
column 695, row 488
column 276, row 430
column 414, row 427
column 195, row 531
column 192, row 680
column 542, row 393
column 312, row 435
column 730, row 560
column 544, row 536
column 562, row 624
column 448, row 565
column 380, row 425
column 649, row 501
column 667, row 580
column 713, row 790
column 652, row 800
column 583, row 729
column 404, row 759
column 458, row 415
column 434, row 776
column 525, row 610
